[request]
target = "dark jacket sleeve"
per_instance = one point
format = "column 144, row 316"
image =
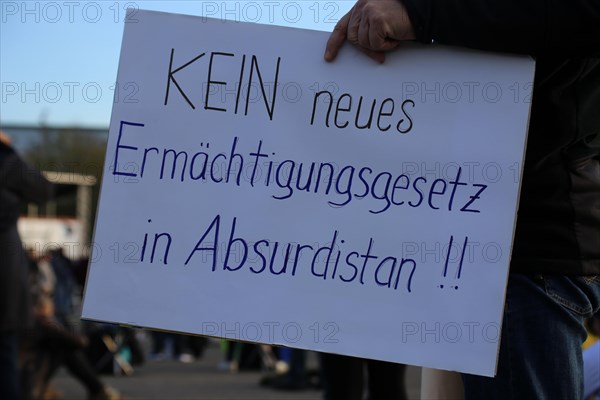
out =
column 537, row 27
column 21, row 179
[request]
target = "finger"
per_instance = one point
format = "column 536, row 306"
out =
column 389, row 44
column 337, row 38
column 364, row 39
column 377, row 39
column 363, row 34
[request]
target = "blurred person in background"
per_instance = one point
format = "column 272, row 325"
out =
column 52, row 345
column 65, row 284
column 43, row 280
column 19, row 183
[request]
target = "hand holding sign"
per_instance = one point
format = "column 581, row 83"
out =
column 374, row 27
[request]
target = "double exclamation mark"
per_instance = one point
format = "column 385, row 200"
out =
column 460, row 262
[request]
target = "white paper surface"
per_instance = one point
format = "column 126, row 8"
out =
column 417, row 270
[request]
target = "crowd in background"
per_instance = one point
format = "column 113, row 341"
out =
column 88, row 350
column 56, row 339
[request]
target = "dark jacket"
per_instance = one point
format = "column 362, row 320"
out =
column 18, row 183
column 558, row 222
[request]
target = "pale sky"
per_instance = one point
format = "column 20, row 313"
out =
column 59, row 59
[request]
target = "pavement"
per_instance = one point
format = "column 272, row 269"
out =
column 202, row 380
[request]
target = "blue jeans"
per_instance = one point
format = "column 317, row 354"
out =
column 542, row 333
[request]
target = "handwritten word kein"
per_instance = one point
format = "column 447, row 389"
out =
column 247, row 65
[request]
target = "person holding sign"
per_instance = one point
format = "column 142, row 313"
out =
column 553, row 284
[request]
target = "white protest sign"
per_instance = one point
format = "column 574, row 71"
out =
column 253, row 191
